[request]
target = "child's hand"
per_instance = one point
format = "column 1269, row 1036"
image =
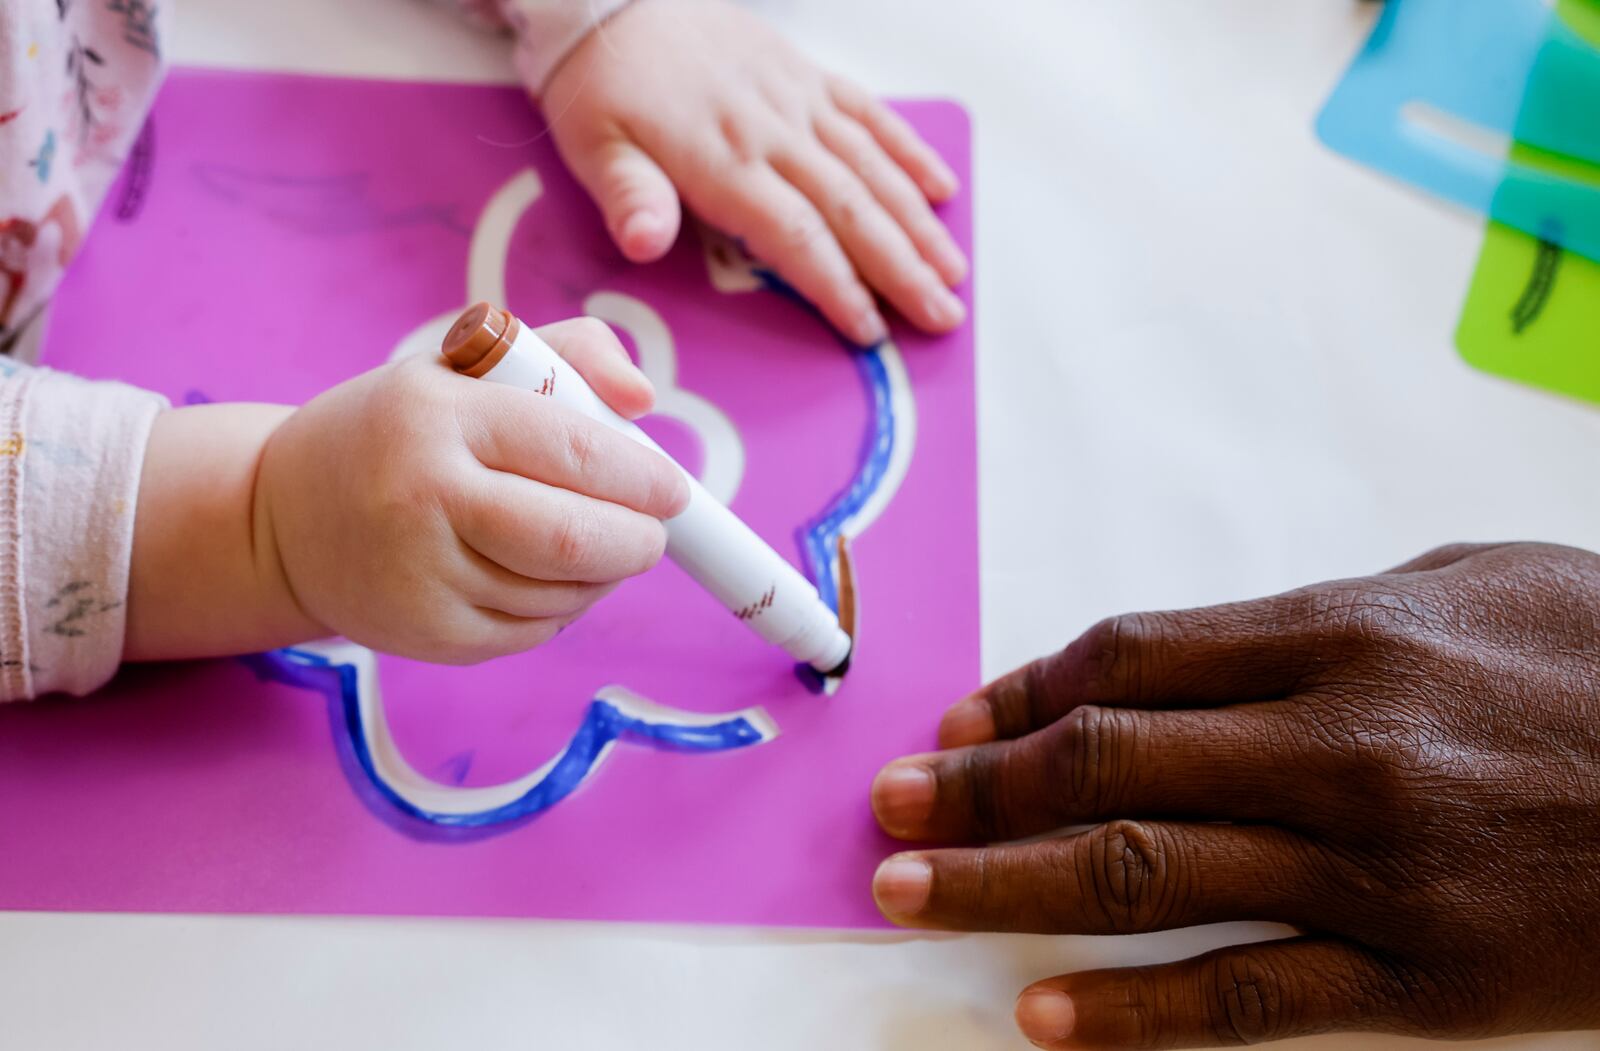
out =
column 412, row 510
column 819, row 179
column 420, row 512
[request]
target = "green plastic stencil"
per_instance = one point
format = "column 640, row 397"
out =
column 1533, row 314
column 1533, row 310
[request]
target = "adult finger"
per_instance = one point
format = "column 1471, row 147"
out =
column 783, row 228
column 637, row 199
column 1246, row 994
column 1444, row 557
column 893, row 188
column 1242, row 651
column 1095, row 763
column 549, row 533
column 897, row 138
column 1123, row 877
column 882, row 252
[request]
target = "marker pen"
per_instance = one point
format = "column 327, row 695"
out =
column 709, row 541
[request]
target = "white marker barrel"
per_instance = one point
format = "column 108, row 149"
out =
column 708, row 540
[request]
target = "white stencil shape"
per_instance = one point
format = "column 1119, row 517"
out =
column 722, row 465
column 722, row 449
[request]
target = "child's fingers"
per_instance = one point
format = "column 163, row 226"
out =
column 893, row 188
column 882, row 252
column 785, row 230
column 898, row 139
column 592, row 348
column 540, row 599
column 493, row 633
column 491, row 586
column 638, row 201
column 520, row 433
column 549, row 533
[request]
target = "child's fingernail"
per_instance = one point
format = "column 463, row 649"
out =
column 944, row 310
column 952, row 264
column 870, row 329
column 944, row 181
column 640, row 230
column 966, row 722
column 1045, row 1015
column 901, row 885
column 902, row 796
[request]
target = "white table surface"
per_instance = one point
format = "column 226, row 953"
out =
column 1215, row 362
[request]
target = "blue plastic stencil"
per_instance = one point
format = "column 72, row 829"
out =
column 1443, row 87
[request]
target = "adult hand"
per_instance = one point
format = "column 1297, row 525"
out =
column 1405, row 767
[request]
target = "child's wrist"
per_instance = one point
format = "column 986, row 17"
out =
column 202, row 583
column 287, row 611
column 549, row 44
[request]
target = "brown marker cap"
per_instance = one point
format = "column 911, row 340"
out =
column 479, row 339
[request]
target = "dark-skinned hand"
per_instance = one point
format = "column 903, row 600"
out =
column 1405, row 768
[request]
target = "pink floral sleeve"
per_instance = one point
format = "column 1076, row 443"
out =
column 76, row 79
column 546, row 29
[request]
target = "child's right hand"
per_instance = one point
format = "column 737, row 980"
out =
column 701, row 99
column 423, row 513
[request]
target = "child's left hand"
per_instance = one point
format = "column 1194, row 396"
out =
column 699, row 99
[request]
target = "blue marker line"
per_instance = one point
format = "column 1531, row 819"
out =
column 819, row 537
column 603, row 724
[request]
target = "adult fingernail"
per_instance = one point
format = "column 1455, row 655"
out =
column 1045, row 1015
column 870, row 329
column 901, row 885
column 966, row 722
column 902, row 797
column 944, row 310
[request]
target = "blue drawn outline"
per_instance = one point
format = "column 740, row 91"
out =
column 819, row 537
column 604, row 723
